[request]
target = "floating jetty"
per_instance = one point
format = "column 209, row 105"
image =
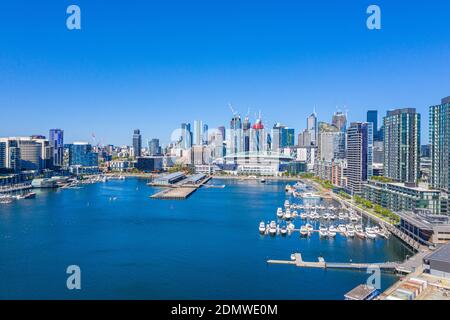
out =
column 407, row 266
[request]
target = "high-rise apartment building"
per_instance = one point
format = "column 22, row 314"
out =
column 137, row 143
column 402, row 145
column 359, row 155
column 56, row 140
column 439, row 126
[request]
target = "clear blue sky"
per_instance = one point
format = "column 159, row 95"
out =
column 154, row 64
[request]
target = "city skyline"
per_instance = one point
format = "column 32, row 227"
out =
column 280, row 64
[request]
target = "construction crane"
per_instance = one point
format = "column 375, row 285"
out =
column 234, row 112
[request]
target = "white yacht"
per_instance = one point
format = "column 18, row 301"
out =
column 279, row 212
column 304, row 231
column 310, row 195
column 288, row 214
column 370, row 234
column 323, row 232
column 262, row 227
column 332, row 231
column 272, row 228
column 342, row 216
column 360, row 232
column 350, row 231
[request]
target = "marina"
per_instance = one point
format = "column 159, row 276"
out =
column 130, row 238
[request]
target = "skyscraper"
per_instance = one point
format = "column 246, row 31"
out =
column 186, row 136
column 311, row 126
column 339, row 120
column 439, row 127
column 198, row 133
column 258, row 137
column 56, row 139
column 205, row 134
column 246, row 126
column 154, row 148
column 402, row 145
column 235, row 135
column 372, row 117
column 359, row 155
column 137, row 143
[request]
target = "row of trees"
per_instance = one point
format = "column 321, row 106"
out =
column 379, row 210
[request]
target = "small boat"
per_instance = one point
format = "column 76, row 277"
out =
column 342, row 228
column 332, row 216
column 354, row 218
column 326, row 216
column 263, row 180
column 286, row 204
column 262, row 227
column 310, row 195
column 342, row 216
column 303, row 216
column 360, row 232
column 288, row 215
column 332, row 232
column 279, row 212
column 304, row 231
column 272, row 228
column 370, row 234
column 6, row 199
column 323, row 232
column 350, row 231
column 291, row 226
column 283, row 230
column 309, row 227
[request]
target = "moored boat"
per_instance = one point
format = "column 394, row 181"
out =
column 360, row 232
column 272, row 228
column 323, row 232
column 304, row 231
column 262, row 227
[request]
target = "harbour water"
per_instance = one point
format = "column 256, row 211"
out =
column 129, row 246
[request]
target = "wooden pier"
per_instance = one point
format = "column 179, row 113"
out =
column 180, row 192
column 174, row 193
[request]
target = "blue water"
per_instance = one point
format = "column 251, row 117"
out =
column 206, row 247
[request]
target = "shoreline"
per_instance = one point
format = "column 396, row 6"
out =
column 256, row 179
column 225, row 177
